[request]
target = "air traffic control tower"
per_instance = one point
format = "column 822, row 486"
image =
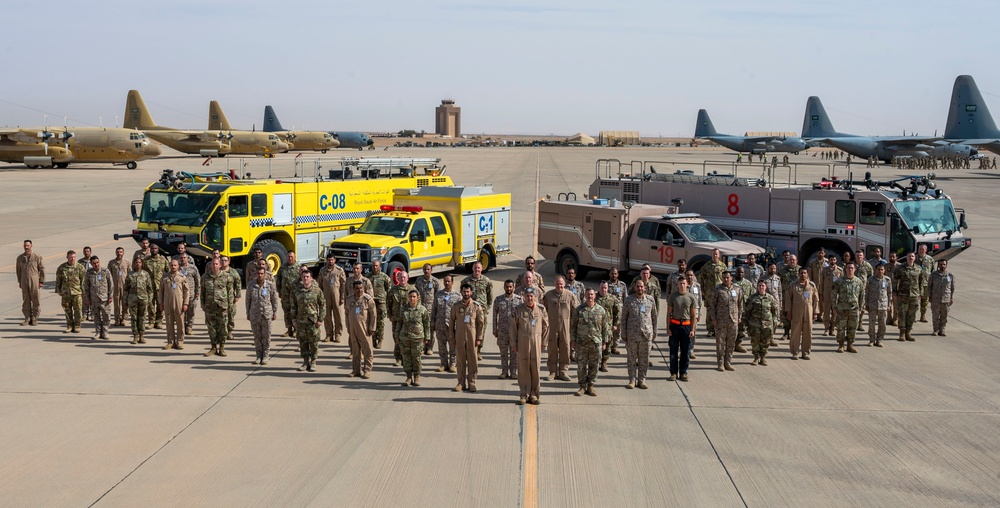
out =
column 448, row 119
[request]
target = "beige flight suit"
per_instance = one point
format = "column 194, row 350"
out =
column 30, row 274
column 468, row 325
column 800, row 306
column 174, row 295
column 361, row 315
column 528, row 328
column 334, row 285
column 557, row 341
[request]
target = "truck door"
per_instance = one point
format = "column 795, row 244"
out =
column 873, row 228
column 238, row 224
column 643, row 248
column 440, row 241
column 420, row 251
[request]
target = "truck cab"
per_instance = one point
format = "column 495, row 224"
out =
column 662, row 241
column 399, row 237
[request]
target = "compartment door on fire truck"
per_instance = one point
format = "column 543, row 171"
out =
column 238, row 224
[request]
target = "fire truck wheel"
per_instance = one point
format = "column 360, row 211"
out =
column 393, row 268
column 273, row 252
column 485, row 259
column 565, row 261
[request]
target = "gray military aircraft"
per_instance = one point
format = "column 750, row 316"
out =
column 750, row 144
column 969, row 119
column 816, row 127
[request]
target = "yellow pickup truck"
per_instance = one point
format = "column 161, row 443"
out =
column 443, row 226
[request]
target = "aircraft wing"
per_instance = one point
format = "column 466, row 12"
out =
column 200, row 135
column 974, row 142
column 907, row 140
column 760, row 139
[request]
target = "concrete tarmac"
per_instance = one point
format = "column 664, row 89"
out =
column 106, row 423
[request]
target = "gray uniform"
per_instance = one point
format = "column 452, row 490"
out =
column 98, row 288
column 941, row 288
column 441, row 321
column 878, row 298
column 261, row 306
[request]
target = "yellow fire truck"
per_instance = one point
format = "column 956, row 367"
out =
column 301, row 215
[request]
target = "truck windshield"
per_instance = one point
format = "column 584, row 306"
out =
column 388, row 226
column 704, row 232
column 928, row 215
column 177, row 208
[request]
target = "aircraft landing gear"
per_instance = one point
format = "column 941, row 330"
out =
column 131, row 165
column 62, row 165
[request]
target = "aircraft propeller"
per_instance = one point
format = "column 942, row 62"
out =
column 65, row 134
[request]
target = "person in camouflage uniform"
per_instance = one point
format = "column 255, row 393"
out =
column 119, row 268
column 360, row 316
column 216, row 298
column 190, row 272
column 709, row 277
column 536, row 281
column 441, row 321
column 85, row 261
column 333, row 281
column 816, row 267
column 831, row 274
column 503, row 309
column 890, row 267
column 574, row 286
column 726, row 312
column 396, row 300
column 848, row 299
column 262, row 310
column 482, row 292
column 907, row 286
column 652, row 290
column 878, row 300
column 97, row 296
column 237, row 292
column 613, row 306
column 775, row 289
column 942, row 294
column 468, row 326
column 926, row 262
column 69, row 285
column 591, row 332
column 287, row 280
column 616, row 286
column 380, row 289
column 754, row 271
column 674, row 278
column 864, row 270
column 428, row 285
column 639, row 331
column 157, row 265
column 695, row 289
column 357, row 274
column 747, row 290
column 139, row 293
column 413, row 327
column 789, row 274
column 760, row 314
column 308, row 308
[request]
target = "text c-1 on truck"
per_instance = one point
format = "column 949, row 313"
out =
column 440, row 226
column 603, row 234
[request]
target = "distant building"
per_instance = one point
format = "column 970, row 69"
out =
column 448, row 119
column 619, row 138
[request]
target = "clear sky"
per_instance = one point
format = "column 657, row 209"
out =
column 519, row 67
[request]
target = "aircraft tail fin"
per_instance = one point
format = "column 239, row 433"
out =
column 216, row 118
column 136, row 114
column 968, row 116
column 704, row 128
column 271, row 122
column 816, row 123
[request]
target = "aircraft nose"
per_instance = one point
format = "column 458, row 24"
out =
column 334, row 143
column 152, row 150
column 282, row 146
column 973, row 151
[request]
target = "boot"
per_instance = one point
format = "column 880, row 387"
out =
column 304, row 366
column 604, row 365
column 572, row 355
column 409, row 380
column 923, row 316
column 416, row 380
column 641, row 384
column 941, row 332
column 256, row 361
column 25, row 322
column 311, row 366
column 720, row 368
column 740, row 349
column 33, row 321
column 336, row 339
column 756, row 360
column 179, row 345
column 763, row 361
column 222, row 350
column 729, row 367
column 773, row 343
column 630, row 385
column 614, row 350
column 442, row 368
column 142, row 337
column 69, row 328
column 212, row 351
column 590, row 390
column 850, row 348
column 263, row 360
column 135, row 339
column 840, row 347
column 581, row 391
column 76, row 329
column 909, row 337
column 901, row 336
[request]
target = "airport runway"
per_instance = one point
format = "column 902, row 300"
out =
column 110, row 424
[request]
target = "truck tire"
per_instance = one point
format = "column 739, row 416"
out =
column 485, row 258
column 392, row 268
column 272, row 251
column 565, row 261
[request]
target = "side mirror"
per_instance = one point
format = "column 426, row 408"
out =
column 961, row 221
column 419, row 236
column 351, row 230
column 135, row 215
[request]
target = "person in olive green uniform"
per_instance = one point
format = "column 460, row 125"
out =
column 709, row 277
column 848, row 299
column 396, row 300
column 591, row 332
column 941, row 287
column 613, row 306
column 926, row 262
column 119, row 268
column 413, row 327
column 287, row 280
column 216, row 296
column 308, row 307
column 156, row 265
column 380, row 289
column 236, row 292
column 69, row 285
column 907, row 286
column 139, row 293
column 468, row 325
column 760, row 316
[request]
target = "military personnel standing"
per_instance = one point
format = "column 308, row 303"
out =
column 156, row 266
column 69, row 285
column 682, row 309
column 926, row 263
column 726, row 311
column 216, row 297
column 468, row 326
column 747, row 290
column 503, row 309
column 190, row 272
column 816, row 268
column 831, row 274
column 942, row 295
column 652, row 290
column 591, row 332
column 789, row 274
column 754, row 272
column 380, row 289
column 528, row 327
column 890, row 268
column 119, row 268
column 85, row 261
column 143, row 251
column 237, row 291
column 574, row 286
column 907, row 286
column 287, row 280
column 308, row 308
column 695, row 289
column 361, row 315
column 801, row 307
column 639, row 330
column 709, row 277
column 138, row 289
column 30, row 271
column 357, row 273
column 617, row 286
column 613, row 306
column 482, row 292
column 97, row 295
column 527, row 278
column 173, row 297
column 428, row 285
column 396, row 301
column 413, row 327
column 877, row 299
column 761, row 317
column 262, row 310
column 333, row 282
column 559, row 303
column 536, row 281
column 250, row 267
column 676, row 277
column 848, row 299
column 864, row 270
column 441, row 321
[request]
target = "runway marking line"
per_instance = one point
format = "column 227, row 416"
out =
column 529, row 432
